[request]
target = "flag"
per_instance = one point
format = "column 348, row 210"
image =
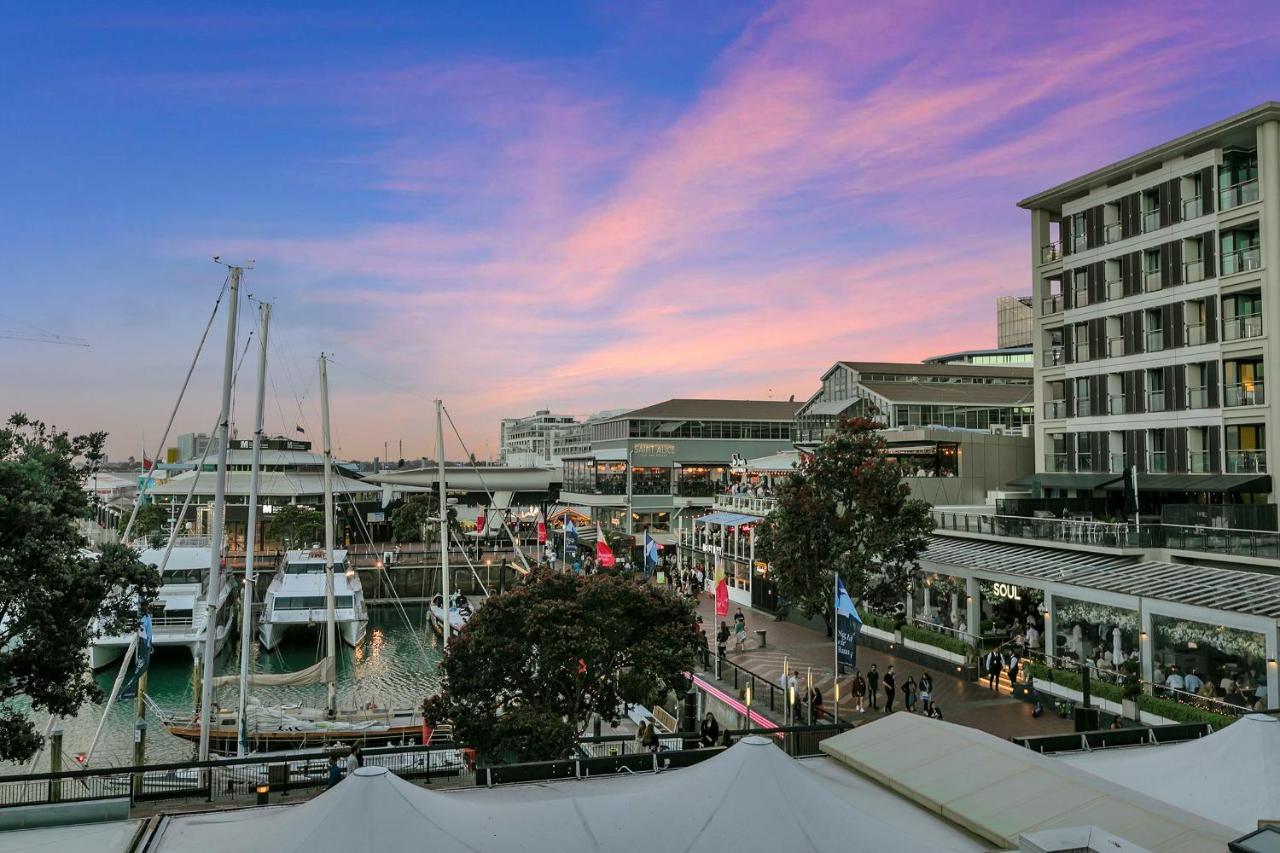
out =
column 570, row 535
column 542, row 529
column 848, row 626
column 604, row 554
column 480, row 524
column 722, row 588
column 650, row 554
column 299, row 428
column 141, row 659
column 147, row 464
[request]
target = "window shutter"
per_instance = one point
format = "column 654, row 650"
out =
column 1068, row 289
column 1179, row 388
column 1140, row 450
column 1068, row 346
column 1135, row 273
column 1069, row 397
column 1100, row 451
column 1172, row 211
column 1176, row 325
column 1178, row 464
column 1139, row 342
column 1064, row 230
column 1211, row 383
column 1208, row 190
column 1211, row 319
column 1098, row 277
column 1210, row 241
column 1175, row 262
column 1215, row 449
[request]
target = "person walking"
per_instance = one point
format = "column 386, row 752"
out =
column 1014, row 661
column 873, row 687
column 815, row 704
column 890, row 689
column 710, row 730
column 722, row 638
column 909, row 694
column 335, row 771
column 739, row 634
column 995, row 665
column 926, row 693
column 642, row 733
column 650, row 741
column 858, row 687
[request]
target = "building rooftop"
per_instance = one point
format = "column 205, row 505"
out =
column 958, row 370
column 952, row 357
column 944, row 393
column 723, row 410
column 1233, row 130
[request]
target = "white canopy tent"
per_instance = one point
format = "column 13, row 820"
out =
column 752, row 797
column 1231, row 776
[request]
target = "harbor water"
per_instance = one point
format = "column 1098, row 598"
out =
column 396, row 665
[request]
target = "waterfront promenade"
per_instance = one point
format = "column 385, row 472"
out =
column 961, row 701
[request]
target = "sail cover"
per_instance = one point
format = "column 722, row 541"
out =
column 317, row 673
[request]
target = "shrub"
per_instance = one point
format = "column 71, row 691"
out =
column 935, row 638
column 1182, row 712
column 875, row 620
column 1074, row 681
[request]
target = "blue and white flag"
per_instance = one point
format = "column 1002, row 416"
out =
column 141, row 660
column 570, row 535
column 848, row 626
column 651, row 559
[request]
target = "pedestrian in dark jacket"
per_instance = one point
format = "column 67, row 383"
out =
column 926, row 693
column 909, row 694
column 722, row 638
column 873, row 687
column 890, row 690
column 710, row 730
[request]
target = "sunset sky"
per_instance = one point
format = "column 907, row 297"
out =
column 570, row 206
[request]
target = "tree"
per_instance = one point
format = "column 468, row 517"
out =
column 418, row 517
column 297, row 526
column 534, row 664
column 847, row 511
column 150, row 524
column 52, row 589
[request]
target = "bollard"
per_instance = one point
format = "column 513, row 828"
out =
column 760, row 637
column 55, row 763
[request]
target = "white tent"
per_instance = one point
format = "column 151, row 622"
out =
column 752, row 797
column 1231, row 776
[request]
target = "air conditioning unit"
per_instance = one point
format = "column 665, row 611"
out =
column 999, row 429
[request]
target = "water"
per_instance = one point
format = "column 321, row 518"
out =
column 388, row 668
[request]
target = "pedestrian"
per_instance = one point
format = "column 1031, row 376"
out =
column 890, row 689
column 642, row 733
column 357, row 755
column 815, row 704
column 995, row 665
column 335, row 772
column 739, row 636
column 926, row 693
column 722, row 638
column 710, row 730
column 858, row 687
column 936, row 711
column 793, row 691
column 873, row 687
column 1013, row 669
column 650, row 741
column 740, row 618
column 909, row 694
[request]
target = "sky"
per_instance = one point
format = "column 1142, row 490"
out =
column 574, row 206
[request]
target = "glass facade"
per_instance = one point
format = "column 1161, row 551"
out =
column 776, row 430
column 701, row 481
column 1095, row 632
column 1230, row 664
column 966, row 417
column 650, row 481
column 592, row 477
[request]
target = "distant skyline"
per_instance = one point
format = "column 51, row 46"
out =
column 568, row 206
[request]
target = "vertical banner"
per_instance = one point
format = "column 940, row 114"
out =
column 722, row 587
column 542, row 529
column 848, row 626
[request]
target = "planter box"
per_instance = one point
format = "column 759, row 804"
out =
column 1050, row 688
column 883, row 636
column 936, row 651
column 1130, row 707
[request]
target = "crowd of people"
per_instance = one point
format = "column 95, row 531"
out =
column 917, row 693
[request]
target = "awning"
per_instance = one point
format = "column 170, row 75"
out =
column 777, row 463
column 563, row 510
column 179, row 602
column 912, row 450
column 728, row 519
column 1200, row 483
column 829, row 407
column 1068, row 480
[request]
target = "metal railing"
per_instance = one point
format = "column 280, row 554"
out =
column 1244, row 394
column 1115, row 347
column 1150, row 221
column 1079, row 531
column 746, row 503
column 1194, row 334
column 1082, row 352
column 1115, row 289
column 1158, row 461
column 1155, row 340
column 1198, row 462
column 1084, row 407
column 1084, row 462
column 1053, row 356
column 1241, row 260
column 1112, row 233
column 1242, row 327
column 1193, row 271
column 1079, row 297
column 1116, row 404
column 1055, row 462
column 1192, row 208
column 1238, row 194
column 1079, row 242
column 1246, row 461
column 1051, row 252
column 1155, row 401
column 1151, row 281
column 1051, row 304
column 1197, row 397
column 1055, row 409
column 1118, row 464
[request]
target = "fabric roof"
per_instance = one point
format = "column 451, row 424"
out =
column 1000, row 790
column 829, row 407
column 919, row 369
column 1199, row 483
column 778, row 462
column 1067, row 480
column 728, row 519
column 270, row 484
column 750, row 797
column 116, row 836
column 1231, row 776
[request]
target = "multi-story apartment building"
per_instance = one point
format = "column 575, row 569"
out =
column 531, row 441
column 1155, row 305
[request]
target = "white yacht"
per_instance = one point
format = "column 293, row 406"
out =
column 180, row 610
column 459, row 612
column 296, row 598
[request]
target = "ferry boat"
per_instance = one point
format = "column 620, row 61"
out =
column 180, row 610
column 296, row 598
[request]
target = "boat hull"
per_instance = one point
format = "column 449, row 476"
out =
column 223, row 739
column 271, row 634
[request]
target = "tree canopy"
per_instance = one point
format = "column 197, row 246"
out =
column 52, row 588
column 150, row 524
column 845, row 510
column 417, row 516
column 534, row 664
column 297, row 526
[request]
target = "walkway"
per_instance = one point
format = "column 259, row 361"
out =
column 969, row 704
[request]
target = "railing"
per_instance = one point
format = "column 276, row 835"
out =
column 1051, row 252
column 1198, row 462
column 1155, row 401
column 1079, row 242
column 1242, row 394
column 1084, row 462
column 1117, row 463
column 1116, row 404
column 1115, row 347
column 1084, row 407
column 1238, row 194
column 1155, row 340
column 1242, row 327
column 1194, row 334
column 1079, row 531
column 1241, row 260
column 1192, row 208
column 1150, row 221
column 1055, row 409
column 1151, row 281
column 1112, row 233
column 1219, row 540
column 1082, row 352
column 1246, row 461
column 1055, row 462
column 1193, row 271
column 1053, row 356
column 1115, row 289
column 1198, row 397
column 1079, row 297
column 1158, row 462
column 746, row 503
column 1051, row 304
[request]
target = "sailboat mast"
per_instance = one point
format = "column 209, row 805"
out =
column 221, row 439
column 330, row 622
column 444, row 521
column 250, row 539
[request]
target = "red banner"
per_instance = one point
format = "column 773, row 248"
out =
column 542, row 530
column 722, row 597
column 604, row 554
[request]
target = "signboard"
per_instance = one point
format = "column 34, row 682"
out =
column 1006, row 591
column 652, row 453
column 848, row 625
column 376, row 517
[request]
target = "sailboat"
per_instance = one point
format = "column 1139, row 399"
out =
column 253, row 724
column 459, row 612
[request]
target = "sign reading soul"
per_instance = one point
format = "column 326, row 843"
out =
column 1006, row 591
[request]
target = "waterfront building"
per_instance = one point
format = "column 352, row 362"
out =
column 190, row 446
column 1155, row 295
column 530, row 441
column 648, row 466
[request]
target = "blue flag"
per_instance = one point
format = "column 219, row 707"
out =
column 141, row 660
column 570, row 535
column 650, row 554
column 848, row 626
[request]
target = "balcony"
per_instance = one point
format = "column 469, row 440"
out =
column 1158, row 462
column 1117, row 463
column 1115, row 404
column 1084, row 462
column 1238, row 194
column 1192, row 208
column 1051, row 252
column 1151, row 281
column 1079, row 297
column 1070, row 530
column 1242, row 260
column 1112, row 233
column 1155, row 340
column 1055, row 462
column 1051, row 304
column 1194, row 334
column 1193, row 271
column 1054, row 409
column 746, row 504
column 1155, row 401
column 1198, row 462
column 1246, row 461
column 1079, row 242
column 1197, row 397
column 1082, row 352
column 1053, row 356
column 1150, row 221
column 1084, row 407
column 1244, row 394
column 1242, row 327
column 1115, row 289
column 1115, row 347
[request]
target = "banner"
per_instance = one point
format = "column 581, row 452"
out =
column 604, row 554
column 570, row 536
column 542, row 530
column 722, row 588
column 848, row 626
column 141, row 660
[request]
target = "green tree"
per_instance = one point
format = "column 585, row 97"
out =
column 417, row 516
column 533, row 665
column 845, row 510
column 150, row 524
column 52, row 589
column 297, row 526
